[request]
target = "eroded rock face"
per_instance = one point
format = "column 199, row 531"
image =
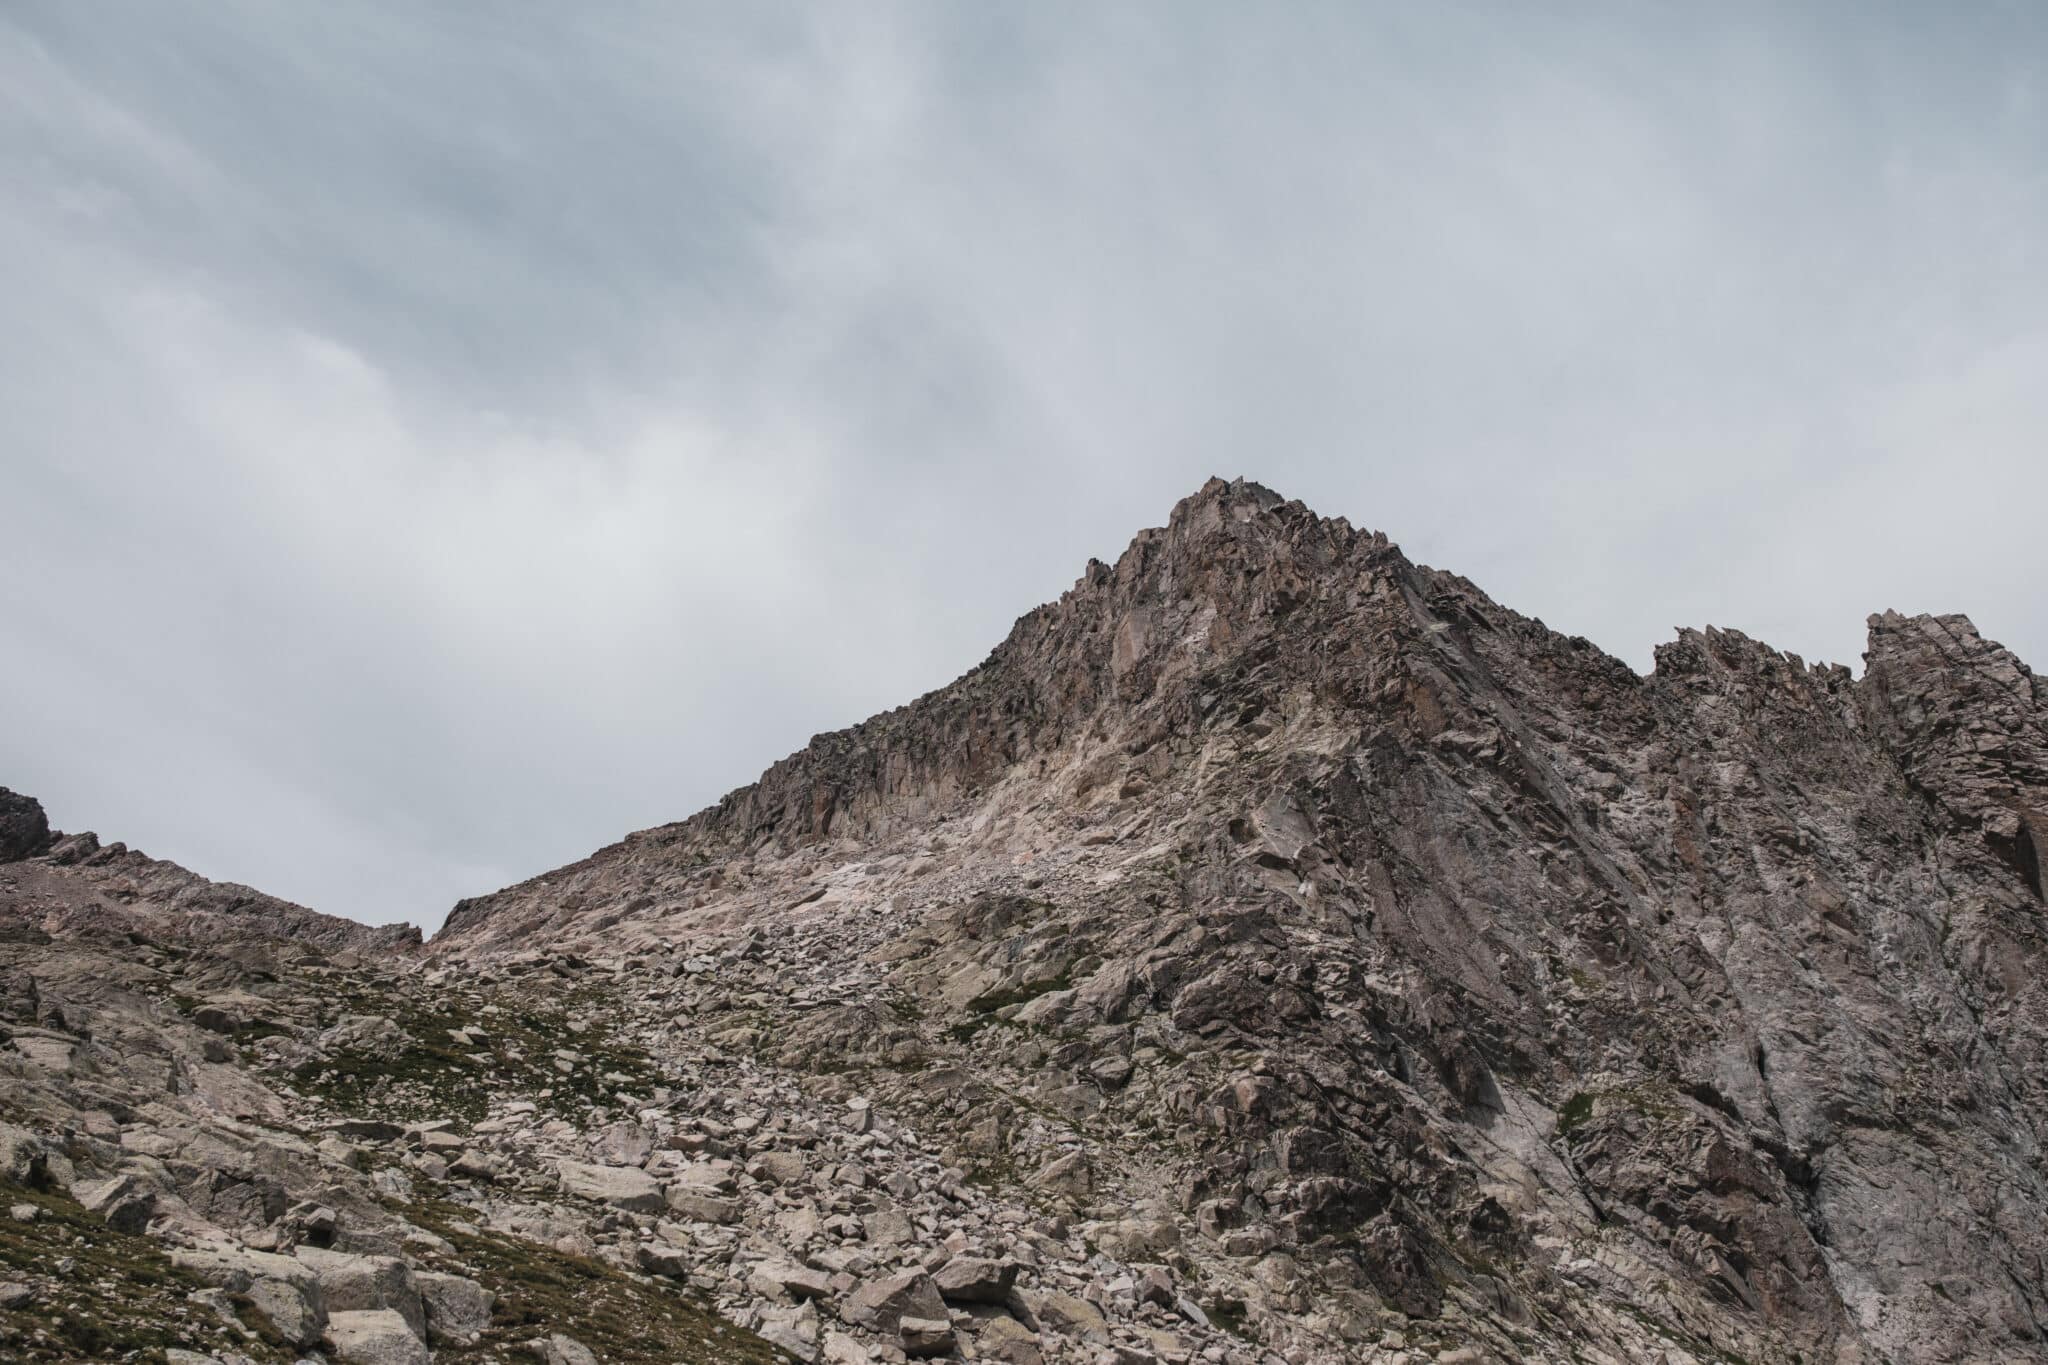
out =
column 24, row 829
column 1275, row 951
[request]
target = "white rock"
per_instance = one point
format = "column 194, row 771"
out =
column 375, row 1336
column 624, row 1187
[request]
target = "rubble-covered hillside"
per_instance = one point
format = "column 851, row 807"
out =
column 1275, row 951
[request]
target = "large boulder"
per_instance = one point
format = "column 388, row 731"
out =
column 1008, row 1341
column 286, row 1290
column 925, row 1336
column 294, row 1309
column 458, row 1309
column 24, row 829
column 975, row 1279
column 375, row 1336
column 351, row 1283
column 560, row 1350
column 881, row 1305
column 623, row 1187
column 623, row 1144
column 126, row 1202
column 24, row 1157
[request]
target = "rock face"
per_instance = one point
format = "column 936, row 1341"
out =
column 24, row 829
column 1275, row 951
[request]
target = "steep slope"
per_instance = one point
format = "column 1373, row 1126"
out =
column 1407, row 975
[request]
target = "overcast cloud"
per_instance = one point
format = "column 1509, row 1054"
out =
column 439, row 439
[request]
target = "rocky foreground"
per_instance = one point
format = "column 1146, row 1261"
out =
column 1275, row 951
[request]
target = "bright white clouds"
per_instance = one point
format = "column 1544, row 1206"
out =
column 439, row 443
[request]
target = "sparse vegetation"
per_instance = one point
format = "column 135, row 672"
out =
column 620, row 1317
column 107, row 1295
column 433, row 1076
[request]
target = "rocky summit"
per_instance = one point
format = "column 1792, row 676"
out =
column 1274, row 951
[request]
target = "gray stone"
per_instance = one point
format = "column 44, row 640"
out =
column 925, row 1336
column 699, row 1207
column 558, row 1349
column 622, row 1187
column 975, row 1279
column 127, row 1202
column 375, row 1336
column 458, row 1310
column 295, row 1308
column 24, row 829
column 354, row 1283
column 798, row 1282
column 1008, row 1341
column 881, row 1304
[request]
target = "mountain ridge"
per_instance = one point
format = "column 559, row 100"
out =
column 816, row 774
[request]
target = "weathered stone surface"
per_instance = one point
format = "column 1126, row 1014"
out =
column 294, row 1308
column 354, row 1283
column 882, row 1304
column 559, row 1349
column 688, row 1202
column 24, row 829
column 1069, row 1316
column 375, row 1336
column 925, row 1336
column 1008, row 1341
column 457, row 1308
column 126, row 1202
column 621, row 1186
column 975, row 1279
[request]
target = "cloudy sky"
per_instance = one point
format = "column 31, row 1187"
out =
column 435, row 440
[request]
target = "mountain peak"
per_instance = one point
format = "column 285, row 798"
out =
column 1415, row 874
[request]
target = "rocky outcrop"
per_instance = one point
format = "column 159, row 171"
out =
column 24, row 829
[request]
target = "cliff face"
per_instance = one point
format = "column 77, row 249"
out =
column 1423, row 969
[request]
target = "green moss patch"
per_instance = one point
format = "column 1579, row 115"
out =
column 1575, row 1112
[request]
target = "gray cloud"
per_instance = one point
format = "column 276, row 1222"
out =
column 438, row 441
